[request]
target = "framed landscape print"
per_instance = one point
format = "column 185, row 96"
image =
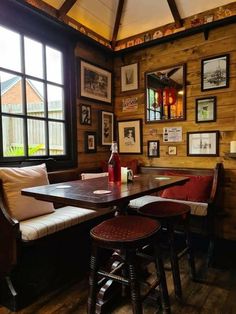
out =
column 129, row 77
column 85, row 114
column 206, row 109
column 153, row 148
column 107, row 126
column 95, row 82
column 130, row 136
column 215, row 72
column 203, row 143
column 90, row 141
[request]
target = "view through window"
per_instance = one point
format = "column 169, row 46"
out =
column 32, row 97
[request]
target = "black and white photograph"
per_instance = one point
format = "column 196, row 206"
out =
column 215, row 72
column 129, row 77
column 90, row 142
column 153, row 148
column 107, row 122
column 206, row 109
column 204, row 143
column 130, row 136
column 85, row 114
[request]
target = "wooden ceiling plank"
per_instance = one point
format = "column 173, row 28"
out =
column 65, row 8
column 175, row 13
column 117, row 22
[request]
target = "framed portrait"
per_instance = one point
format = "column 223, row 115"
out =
column 153, row 149
column 85, row 114
column 95, row 82
column 130, row 136
column 203, row 143
column 129, row 77
column 107, row 127
column 215, row 72
column 172, row 150
column 90, row 142
column 206, row 109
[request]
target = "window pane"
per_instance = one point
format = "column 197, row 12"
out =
column 35, row 98
column 56, row 138
column 55, row 102
column 11, row 93
column 33, row 58
column 36, row 137
column 54, row 65
column 12, row 129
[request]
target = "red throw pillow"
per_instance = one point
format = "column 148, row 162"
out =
column 197, row 189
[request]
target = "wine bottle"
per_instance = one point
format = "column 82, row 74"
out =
column 114, row 167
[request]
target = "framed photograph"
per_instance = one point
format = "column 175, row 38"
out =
column 206, row 109
column 172, row 150
column 107, row 127
column 153, row 149
column 129, row 77
column 85, row 114
column 203, row 143
column 90, row 141
column 95, row 82
column 215, row 72
column 130, row 136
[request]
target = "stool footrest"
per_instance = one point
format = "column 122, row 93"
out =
column 151, row 288
column 117, row 278
column 183, row 252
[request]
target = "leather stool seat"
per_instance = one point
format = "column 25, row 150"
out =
column 170, row 214
column 127, row 234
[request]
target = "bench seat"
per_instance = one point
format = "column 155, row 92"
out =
column 197, row 208
column 62, row 218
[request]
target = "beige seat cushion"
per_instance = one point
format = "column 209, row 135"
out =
column 85, row 176
column 61, row 218
column 13, row 181
column 197, row 208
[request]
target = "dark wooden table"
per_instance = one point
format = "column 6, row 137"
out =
column 81, row 192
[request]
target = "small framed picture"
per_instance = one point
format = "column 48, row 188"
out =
column 153, row 149
column 172, row 150
column 203, row 143
column 206, row 109
column 85, row 114
column 215, row 72
column 129, row 77
column 107, row 127
column 90, row 141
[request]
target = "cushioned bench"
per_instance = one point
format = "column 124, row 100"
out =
column 202, row 193
column 46, row 247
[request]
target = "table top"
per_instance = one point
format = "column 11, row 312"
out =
column 89, row 193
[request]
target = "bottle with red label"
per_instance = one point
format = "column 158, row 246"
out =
column 114, row 167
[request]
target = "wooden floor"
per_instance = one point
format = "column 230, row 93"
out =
column 214, row 293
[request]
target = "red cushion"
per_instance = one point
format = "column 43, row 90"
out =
column 197, row 189
column 131, row 164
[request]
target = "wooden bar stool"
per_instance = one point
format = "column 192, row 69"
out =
column 170, row 214
column 126, row 234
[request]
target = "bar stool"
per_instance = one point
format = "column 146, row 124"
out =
column 170, row 214
column 126, row 234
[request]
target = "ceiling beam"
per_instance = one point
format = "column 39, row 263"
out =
column 175, row 13
column 117, row 23
column 65, row 8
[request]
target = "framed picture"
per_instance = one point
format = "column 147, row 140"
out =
column 153, row 149
column 215, row 72
column 107, row 127
column 90, row 142
column 172, row 150
column 206, row 109
column 130, row 136
column 85, row 114
column 129, row 77
column 203, row 143
column 95, row 82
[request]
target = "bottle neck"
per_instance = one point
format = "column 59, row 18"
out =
column 114, row 148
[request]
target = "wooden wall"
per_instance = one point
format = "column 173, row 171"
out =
column 189, row 50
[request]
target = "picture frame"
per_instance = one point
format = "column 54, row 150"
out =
column 205, row 109
column 95, row 82
column 153, row 149
column 85, row 114
column 130, row 136
column 204, row 143
column 107, row 128
column 172, row 150
column 129, row 77
column 90, row 142
column 215, row 72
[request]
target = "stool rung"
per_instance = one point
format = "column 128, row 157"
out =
column 114, row 270
column 117, row 278
column 146, row 256
column 151, row 288
column 183, row 252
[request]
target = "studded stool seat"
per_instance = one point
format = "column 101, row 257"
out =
column 126, row 234
column 171, row 214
